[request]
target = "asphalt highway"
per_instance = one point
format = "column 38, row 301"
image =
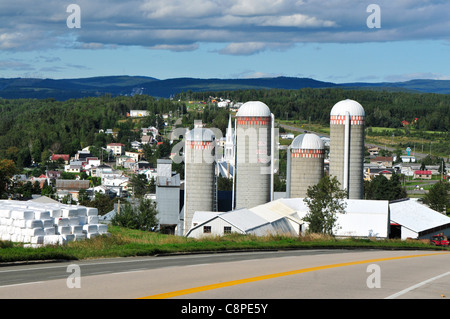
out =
column 296, row 274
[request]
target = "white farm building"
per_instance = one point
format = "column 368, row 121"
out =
column 363, row 218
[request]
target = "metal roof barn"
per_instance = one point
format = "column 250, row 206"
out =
column 418, row 220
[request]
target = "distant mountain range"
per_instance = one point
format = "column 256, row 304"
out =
column 64, row 89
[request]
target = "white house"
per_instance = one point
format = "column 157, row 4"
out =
column 139, row 113
column 116, row 148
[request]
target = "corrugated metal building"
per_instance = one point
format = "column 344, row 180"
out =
column 284, row 216
column 411, row 219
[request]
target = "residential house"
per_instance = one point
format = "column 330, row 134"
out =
column 116, row 149
column 146, row 139
column 382, row 161
column 115, row 182
column 138, row 113
column 136, row 145
column 66, row 187
column 373, row 151
column 422, row 174
column 74, row 167
column 64, row 157
column 150, row 131
column 134, row 155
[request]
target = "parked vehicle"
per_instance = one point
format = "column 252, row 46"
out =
column 439, row 240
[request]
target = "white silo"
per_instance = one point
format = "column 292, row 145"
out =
column 200, row 192
column 254, row 155
column 305, row 164
column 347, row 146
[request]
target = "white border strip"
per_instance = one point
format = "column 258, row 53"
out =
column 416, row 286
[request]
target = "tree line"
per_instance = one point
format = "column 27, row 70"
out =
column 383, row 108
column 31, row 130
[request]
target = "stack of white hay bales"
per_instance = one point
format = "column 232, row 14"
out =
column 38, row 224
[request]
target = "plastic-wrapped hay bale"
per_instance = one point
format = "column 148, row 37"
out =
column 53, row 240
column 45, row 214
column 62, row 221
column 91, row 211
column 74, row 221
column 68, row 238
column 102, row 228
column 92, row 219
column 5, row 213
column 90, row 228
column 46, row 223
column 82, row 211
column 69, row 212
column 20, row 223
column 22, row 214
column 76, row 229
column 50, row 230
column 37, row 240
column 33, row 232
column 55, row 212
column 34, row 223
column 83, row 220
column 81, row 236
column 92, row 235
column 64, row 230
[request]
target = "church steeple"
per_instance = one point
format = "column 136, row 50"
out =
column 229, row 144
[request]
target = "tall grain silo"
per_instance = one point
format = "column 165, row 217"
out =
column 254, row 155
column 347, row 146
column 200, row 190
column 305, row 164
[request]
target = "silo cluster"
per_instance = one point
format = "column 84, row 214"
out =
column 200, row 186
column 254, row 152
column 347, row 146
column 305, row 164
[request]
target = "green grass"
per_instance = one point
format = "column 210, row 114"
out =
column 126, row 243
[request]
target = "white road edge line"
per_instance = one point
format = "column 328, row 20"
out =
column 416, row 286
column 25, row 283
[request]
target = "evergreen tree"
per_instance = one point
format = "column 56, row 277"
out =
column 438, row 197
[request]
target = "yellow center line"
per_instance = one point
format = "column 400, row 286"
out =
column 270, row 276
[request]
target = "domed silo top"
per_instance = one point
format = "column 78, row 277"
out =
column 354, row 109
column 307, row 146
column 254, row 109
column 200, row 135
column 307, row 141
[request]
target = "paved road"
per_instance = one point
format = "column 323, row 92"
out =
column 317, row 274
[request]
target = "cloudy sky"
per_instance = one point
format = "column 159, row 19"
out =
column 331, row 40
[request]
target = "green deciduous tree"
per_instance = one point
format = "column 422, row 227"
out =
column 7, row 170
column 325, row 201
column 382, row 188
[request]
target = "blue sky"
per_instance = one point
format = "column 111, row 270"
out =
column 325, row 40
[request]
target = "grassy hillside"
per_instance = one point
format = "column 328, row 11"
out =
column 126, row 243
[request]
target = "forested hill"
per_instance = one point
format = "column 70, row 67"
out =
column 64, row 89
column 32, row 129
